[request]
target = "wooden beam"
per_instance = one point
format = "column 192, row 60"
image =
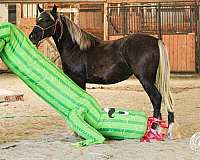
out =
column 147, row 1
column 106, row 21
column 68, row 10
column 48, row 1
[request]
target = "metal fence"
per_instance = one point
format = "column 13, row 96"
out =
column 154, row 18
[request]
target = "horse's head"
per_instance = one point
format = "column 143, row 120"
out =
column 45, row 26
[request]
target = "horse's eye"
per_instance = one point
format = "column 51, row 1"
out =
column 39, row 19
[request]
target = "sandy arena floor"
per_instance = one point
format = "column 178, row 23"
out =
column 33, row 130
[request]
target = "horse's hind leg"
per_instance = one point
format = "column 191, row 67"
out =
column 170, row 117
column 154, row 96
column 171, row 124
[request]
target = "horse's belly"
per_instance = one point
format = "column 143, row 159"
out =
column 109, row 75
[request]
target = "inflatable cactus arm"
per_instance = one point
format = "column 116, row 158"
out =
column 77, row 123
column 2, row 44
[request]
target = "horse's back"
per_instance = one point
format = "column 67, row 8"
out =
column 134, row 45
column 140, row 40
column 139, row 46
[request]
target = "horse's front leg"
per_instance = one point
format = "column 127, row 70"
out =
column 82, row 84
column 79, row 79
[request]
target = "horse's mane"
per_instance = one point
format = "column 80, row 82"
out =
column 84, row 39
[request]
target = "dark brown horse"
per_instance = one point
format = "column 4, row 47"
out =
column 87, row 59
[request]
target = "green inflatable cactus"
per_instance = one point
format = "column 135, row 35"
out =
column 79, row 109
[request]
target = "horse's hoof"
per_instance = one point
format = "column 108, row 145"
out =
column 173, row 131
column 170, row 133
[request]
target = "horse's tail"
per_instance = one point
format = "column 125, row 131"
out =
column 163, row 78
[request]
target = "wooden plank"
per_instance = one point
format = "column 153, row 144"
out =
column 105, row 22
column 166, row 41
column 171, row 51
column 68, row 10
column 187, row 53
column 178, row 48
column 190, row 53
column 175, row 51
column 180, row 52
column 192, row 61
column 183, row 58
column 115, row 37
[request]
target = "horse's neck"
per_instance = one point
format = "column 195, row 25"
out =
column 65, row 43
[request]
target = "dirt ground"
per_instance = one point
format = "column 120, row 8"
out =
column 32, row 129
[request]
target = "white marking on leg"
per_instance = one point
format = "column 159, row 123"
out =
column 170, row 131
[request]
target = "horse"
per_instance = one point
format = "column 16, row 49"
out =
column 87, row 59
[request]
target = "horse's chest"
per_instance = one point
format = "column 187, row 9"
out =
column 73, row 63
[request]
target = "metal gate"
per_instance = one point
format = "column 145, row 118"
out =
column 175, row 23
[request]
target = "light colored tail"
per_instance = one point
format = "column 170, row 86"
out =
column 163, row 78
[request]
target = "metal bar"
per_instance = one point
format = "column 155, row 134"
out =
column 124, row 20
column 112, row 25
column 191, row 19
column 159, row 22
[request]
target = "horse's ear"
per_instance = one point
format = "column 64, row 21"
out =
column 39, row 8
column 54, row 10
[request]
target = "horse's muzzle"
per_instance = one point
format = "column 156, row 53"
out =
column 33, row 40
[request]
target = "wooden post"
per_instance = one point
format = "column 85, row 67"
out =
column 18, row 13
column 77, row 14
column 197, row 38
column 106, row 36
